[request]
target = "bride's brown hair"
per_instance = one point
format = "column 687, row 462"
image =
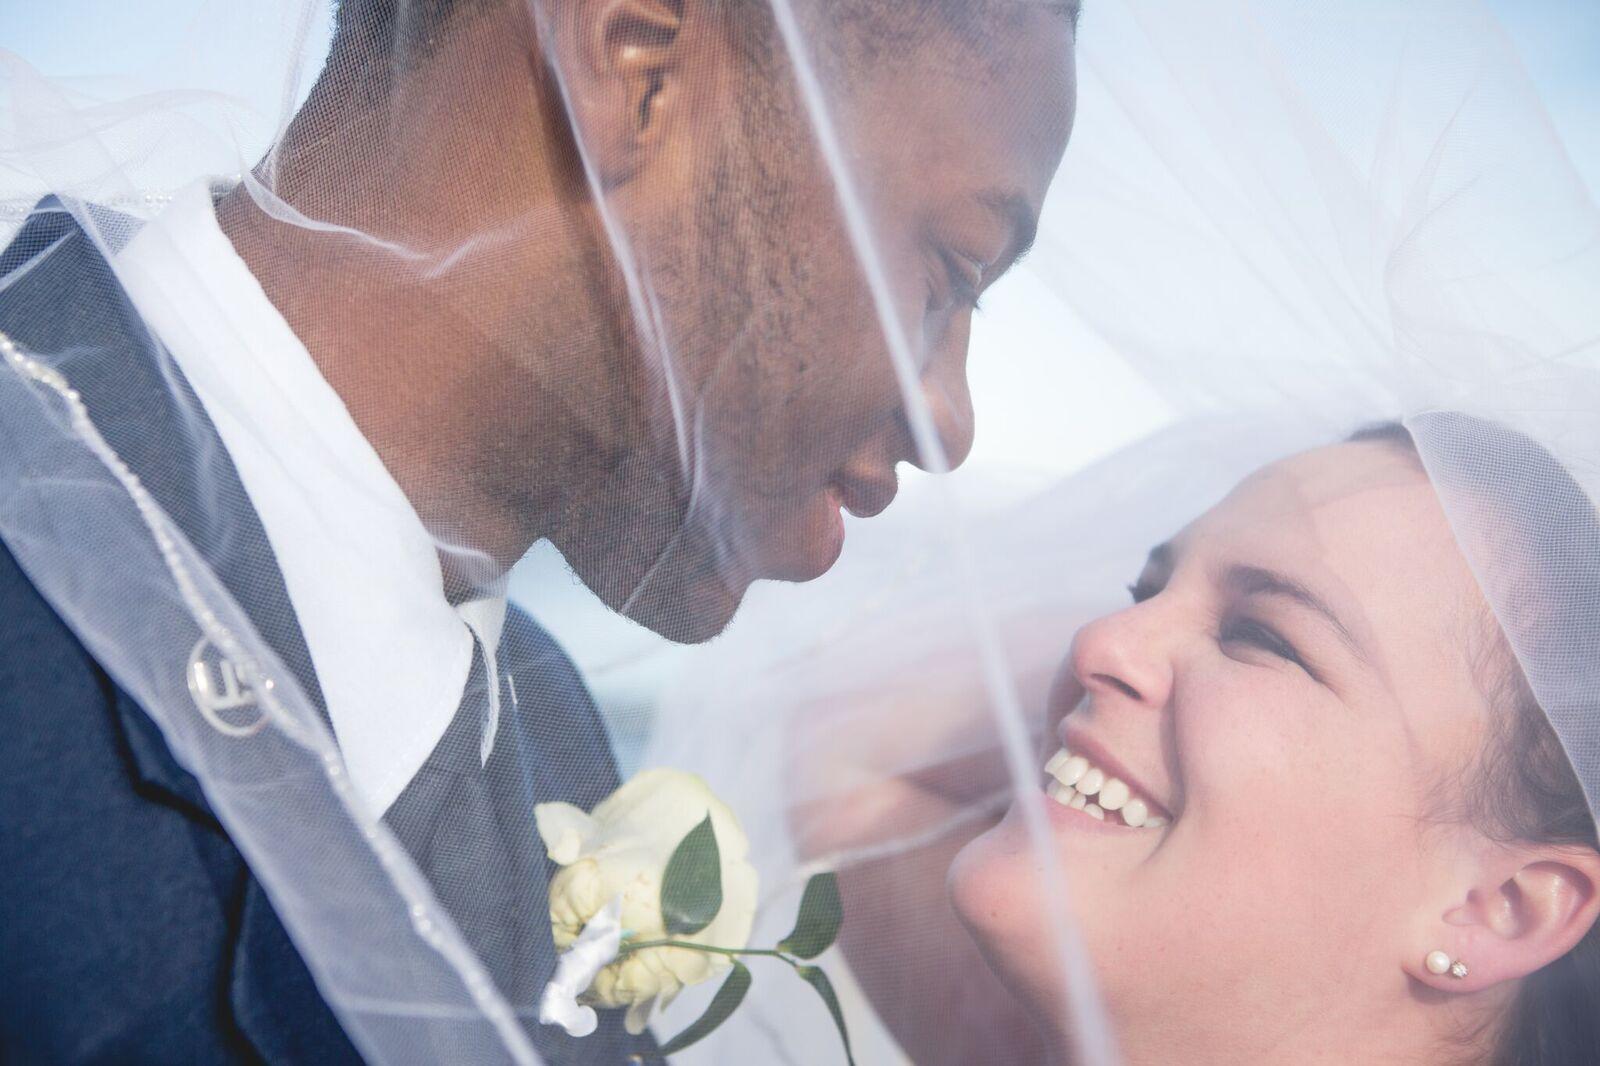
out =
column 1536, row 796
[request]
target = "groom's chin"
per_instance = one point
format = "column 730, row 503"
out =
column 677, row 591
column 686, row 605
column 691, row 615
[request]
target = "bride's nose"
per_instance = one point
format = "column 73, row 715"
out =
column 1121, row 657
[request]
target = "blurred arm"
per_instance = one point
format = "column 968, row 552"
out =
column 909, row 773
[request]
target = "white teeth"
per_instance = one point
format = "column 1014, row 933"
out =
column 1113, row 794
column 1074, row 779
column 1060, row 793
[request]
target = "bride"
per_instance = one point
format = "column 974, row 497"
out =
column 1308, row 805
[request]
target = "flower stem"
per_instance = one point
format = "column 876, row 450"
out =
column 731, row 952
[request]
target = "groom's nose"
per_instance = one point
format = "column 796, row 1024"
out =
column 949, row 402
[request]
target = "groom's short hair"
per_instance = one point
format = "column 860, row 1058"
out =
column 405, row 29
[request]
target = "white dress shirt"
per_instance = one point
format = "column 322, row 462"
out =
column 391, row 653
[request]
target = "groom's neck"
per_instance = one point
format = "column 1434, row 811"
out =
column 491, row 427
column 452, row 292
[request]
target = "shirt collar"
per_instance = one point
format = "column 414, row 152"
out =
column 392, row 655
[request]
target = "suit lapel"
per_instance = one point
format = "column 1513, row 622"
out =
column 147, row 412
column 151, row 417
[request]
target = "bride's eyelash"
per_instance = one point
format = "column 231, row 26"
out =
column 1249, row 631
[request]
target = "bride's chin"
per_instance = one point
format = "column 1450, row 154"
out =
column 995, row 879
column 996, row 890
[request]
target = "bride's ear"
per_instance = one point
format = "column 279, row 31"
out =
column 622, row 65
column 1525, row 909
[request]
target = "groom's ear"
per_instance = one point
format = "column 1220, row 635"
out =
column 625, row 70
column 1525, row 908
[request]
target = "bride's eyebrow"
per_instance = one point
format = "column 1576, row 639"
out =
column 1259, row 581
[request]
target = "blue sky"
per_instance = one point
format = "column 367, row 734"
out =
column 1559, row 41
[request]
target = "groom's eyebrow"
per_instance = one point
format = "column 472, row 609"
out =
column 1017, row 215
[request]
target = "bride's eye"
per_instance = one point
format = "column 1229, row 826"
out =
column 1253, row 633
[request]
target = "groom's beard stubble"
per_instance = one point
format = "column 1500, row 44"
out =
column 639, row 549
column 673, row 549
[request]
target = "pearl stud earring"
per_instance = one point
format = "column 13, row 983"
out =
column 1439, row 963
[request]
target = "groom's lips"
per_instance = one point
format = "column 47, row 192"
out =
column 820, row 537
column 809, row 548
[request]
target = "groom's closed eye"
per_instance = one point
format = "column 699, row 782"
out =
column 973, row 249
column 1021, row 223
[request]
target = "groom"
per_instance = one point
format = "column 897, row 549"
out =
column 579, row 278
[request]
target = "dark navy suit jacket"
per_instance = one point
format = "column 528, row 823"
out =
column 131, row 930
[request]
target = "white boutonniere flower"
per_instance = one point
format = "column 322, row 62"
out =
column 656, row 893
column 621, row 849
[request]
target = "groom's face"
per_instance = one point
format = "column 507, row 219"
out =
column 780, row 401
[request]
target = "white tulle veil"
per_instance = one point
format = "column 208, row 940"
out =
column 1274, row 223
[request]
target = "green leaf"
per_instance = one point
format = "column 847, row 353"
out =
column 729, row 996
column 819, row 980
column 691, row 887
column 817, row 924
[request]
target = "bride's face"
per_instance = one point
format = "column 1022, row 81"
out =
column 1293, row 690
